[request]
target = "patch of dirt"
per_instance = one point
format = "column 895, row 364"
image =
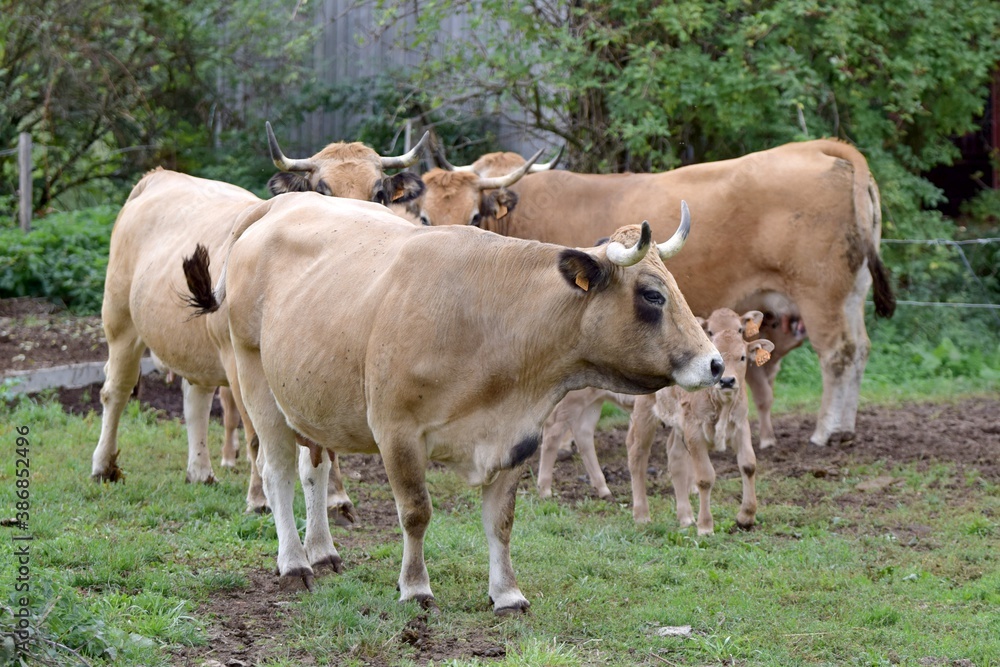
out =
column 33, row 335
column 245, row 626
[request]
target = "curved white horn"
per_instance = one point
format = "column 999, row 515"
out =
column 673, row 246
column 550, row 164
column 511, row 178
column 448, row 166
column 280, row 161
column 408, row 158
column 623, row 256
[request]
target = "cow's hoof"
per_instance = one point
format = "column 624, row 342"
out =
column 744, row 525
column 764, row 444
column 254, row 508
column 298, row 579
column 228, row 463
column 197, row 479
column 334, row 563
column 607, row 496
column 113, row 474
column 342, row 515
column 428, row 603
column 515, row 609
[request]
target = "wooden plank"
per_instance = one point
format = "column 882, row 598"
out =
column 24, row 178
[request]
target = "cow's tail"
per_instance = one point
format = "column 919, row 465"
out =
column 201, row 297
column 868, row 216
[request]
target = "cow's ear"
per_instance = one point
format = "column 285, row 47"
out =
column 750, row 321
column 403, row 187
column 287, row 181
column 498, row 204
column 582, row 271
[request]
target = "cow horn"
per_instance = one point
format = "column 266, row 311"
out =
column 623, row 256
column 673, row 246
column 280, row 161
column 550, row 164
column 408, row 158
column 511, row 178
column 448, row 166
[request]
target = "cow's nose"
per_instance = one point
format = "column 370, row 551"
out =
column 717, row 367
column 727, row 383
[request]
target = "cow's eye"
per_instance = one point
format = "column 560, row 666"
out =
column 653, row 297
column 740, row 331
column 743, row 358
column 323, row 188
column 424, row 220
column 476, row 219
column 381, row 198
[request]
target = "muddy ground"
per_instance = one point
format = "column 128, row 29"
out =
column 246, row 624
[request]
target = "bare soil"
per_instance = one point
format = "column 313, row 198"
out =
column 246, row 625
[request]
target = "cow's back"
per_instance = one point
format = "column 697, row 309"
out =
column 166, row 215
column 759, row 221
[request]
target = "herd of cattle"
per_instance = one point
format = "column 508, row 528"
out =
column 468, row 317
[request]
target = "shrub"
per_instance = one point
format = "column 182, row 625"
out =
column 64, row 258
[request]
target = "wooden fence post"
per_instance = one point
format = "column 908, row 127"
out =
column 24, row 170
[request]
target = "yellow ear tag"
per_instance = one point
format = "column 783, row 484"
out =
column 501, row 211
column 762, row 356
column 752, row 329
column 582, row 282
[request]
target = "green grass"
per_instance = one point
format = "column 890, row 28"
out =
column 121, row 573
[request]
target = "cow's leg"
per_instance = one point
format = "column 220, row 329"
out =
column 231, row 422
column 761, row 382
column 704, row 479
column 338, row 503
column 319, row 542
column 583, row 433
column 498, row 520
column 639, row 441
column 839, row 337
column 121, row 373
column 680, row 465
column 747, row 461
column 197, row 406
column 555, row 432
column 854, row 312
column 256, row 502
column 276, row 460
column 405, row 467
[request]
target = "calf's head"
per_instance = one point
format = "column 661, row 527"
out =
column 350, row 170
column 735, row 354
column 637, row 329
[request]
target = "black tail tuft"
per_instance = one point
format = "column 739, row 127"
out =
column 199, row 281
column 885, row 300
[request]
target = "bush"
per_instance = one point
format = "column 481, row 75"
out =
column 64, row 258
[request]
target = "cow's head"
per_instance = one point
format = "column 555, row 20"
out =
column 350, row 170
column 735, row 354
column 637, row 312
column 466, row 198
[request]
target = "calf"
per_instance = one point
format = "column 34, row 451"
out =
column 717, row 417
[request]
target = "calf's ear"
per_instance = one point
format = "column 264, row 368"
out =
column 751, row 321
column 404, row 187
column 287, row 181
column 583, row 272
column 761, row 350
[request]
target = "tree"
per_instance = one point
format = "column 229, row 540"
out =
column 650, row 85
column 110, row 89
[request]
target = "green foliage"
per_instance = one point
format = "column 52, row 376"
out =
column 108, row 90
column 648, row 85
column 63, row 258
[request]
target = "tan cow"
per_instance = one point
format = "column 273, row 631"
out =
column 164, row 215
column 803, row 220
column 365, row 333
column 716, row 417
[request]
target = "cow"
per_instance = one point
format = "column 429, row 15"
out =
column 717, row 417
column 165, row 213
column 802, row 220
column 360, row 331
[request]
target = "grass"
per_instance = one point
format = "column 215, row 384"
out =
column 123, row 574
